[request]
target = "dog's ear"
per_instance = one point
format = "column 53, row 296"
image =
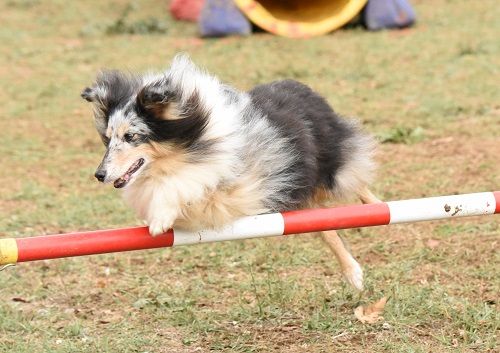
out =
column 97, row 96
column 111, row 88
column 88, row 94
column 158, row 100
column 94, row 96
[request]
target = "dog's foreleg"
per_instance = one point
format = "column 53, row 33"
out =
column 351, row 269
column 163, row 210
column 159, row 224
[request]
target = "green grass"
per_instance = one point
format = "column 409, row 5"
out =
column 431, row 91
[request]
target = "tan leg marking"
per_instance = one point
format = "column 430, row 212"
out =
column 367, row 197
column 351, row 269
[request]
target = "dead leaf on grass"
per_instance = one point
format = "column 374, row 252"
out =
column 432, row 243
column 371, row 313
column 101, row 283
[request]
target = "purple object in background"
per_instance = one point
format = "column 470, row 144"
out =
column 221, row 18
column 381, row 14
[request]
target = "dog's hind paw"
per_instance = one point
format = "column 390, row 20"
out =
column 353, row 274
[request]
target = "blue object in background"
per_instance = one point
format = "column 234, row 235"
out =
column 380, row 14
column 221, row 18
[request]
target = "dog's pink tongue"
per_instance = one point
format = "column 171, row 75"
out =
column 122, row 181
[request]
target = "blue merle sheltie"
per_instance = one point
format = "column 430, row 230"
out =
column 192, row 152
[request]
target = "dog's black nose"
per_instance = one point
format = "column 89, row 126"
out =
column 100, row 175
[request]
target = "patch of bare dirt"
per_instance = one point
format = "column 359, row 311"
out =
column 445, row 165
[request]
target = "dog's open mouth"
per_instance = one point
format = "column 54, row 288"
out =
column 124, row 179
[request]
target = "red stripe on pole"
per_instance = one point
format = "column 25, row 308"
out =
column 315, row 220
column 497, row 199
column 87, row 243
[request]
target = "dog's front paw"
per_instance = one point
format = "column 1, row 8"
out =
column 159, row 226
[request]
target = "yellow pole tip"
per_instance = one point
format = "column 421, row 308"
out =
column 8, row 251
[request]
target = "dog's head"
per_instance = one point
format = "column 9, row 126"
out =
column 141, row 118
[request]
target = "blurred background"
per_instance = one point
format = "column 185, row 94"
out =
column 429, row 92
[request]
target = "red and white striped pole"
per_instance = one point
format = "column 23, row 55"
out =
column 313, row 220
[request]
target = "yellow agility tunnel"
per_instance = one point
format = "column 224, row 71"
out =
column 300, row 18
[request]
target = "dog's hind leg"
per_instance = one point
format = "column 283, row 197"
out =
column 351, row 269
column 366, row 196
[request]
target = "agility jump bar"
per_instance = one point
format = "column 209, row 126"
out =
column 14, row 250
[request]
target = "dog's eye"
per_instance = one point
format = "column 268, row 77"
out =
column 128, row 137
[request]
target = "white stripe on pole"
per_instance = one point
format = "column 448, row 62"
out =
column 266, row 225
column 442, row 207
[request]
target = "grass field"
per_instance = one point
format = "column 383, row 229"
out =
column 432, row 90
